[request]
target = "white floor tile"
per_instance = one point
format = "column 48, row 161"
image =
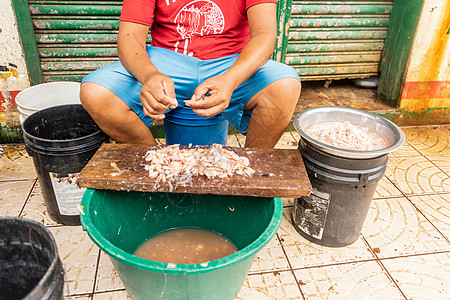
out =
column 422, row 277
column 365, row 280
column 394, row 227
column 303, row 253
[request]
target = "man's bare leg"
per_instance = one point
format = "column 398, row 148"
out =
column 113, row 116
column 273, row 108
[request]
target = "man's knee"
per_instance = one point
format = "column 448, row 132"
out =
column 88, row 94
column 288, row 86
column 95, row 98
column 283, row 94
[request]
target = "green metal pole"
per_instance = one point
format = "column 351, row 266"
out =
column 283, row 16
column 28, row 39
column 399, row 40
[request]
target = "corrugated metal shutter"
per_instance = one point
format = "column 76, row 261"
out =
column 337, row 39
column 326, row 39
column 75, row 37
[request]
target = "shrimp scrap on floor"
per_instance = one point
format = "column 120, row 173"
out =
column 174, row 165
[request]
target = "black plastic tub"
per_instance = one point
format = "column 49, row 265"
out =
column 343, row 181
column 334, row 213
column 62, row 139
column 30, row 267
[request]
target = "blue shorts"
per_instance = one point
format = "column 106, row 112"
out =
column 188, row 72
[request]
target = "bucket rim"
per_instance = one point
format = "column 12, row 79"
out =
column 170, row 268
column 86, row 137
column 195, row 122
column 53, row 265
column 97, row 132
column 24, row 111
column 399, row 135
column 24, row 92
column 68, row 150
column 184, row 115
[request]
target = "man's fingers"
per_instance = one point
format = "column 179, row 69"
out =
column 159, row 91
column 207, row 112
column 200, row 93
column 154, row 116
column 153, row 109
column 169, row 98
column 160, row 101
column 153, row 103
column 168, row 101
column 204, row 102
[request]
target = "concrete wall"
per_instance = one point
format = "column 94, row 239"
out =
column 427, row 84
column 10, row 52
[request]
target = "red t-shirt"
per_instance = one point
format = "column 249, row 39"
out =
column 201, row 28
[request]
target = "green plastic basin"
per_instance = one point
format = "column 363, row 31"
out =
column 119, row 222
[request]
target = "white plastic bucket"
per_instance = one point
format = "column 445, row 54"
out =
column 45, row 95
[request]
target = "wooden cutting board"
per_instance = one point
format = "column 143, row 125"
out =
column 278, row 173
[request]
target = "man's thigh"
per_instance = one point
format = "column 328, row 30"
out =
column 269, row 73
column 181, row 68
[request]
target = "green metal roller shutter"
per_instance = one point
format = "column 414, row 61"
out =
column 65, row 40
column 75, row 37
column 336, row 39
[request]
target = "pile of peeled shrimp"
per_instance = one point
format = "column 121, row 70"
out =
column 174, row 165
column 346, row 135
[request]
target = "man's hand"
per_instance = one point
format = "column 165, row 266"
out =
column 158, row 95
column 263, row 33
column 212, row 96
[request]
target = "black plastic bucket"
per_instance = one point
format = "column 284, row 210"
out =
column 61, row 139
column 30, row 267
column 334, row 213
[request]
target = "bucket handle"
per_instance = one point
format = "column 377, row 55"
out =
column 69, row 296
column 27, row 147
column 31, row 243
column 363, row 179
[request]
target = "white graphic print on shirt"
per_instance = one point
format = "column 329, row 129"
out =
column 199, row 17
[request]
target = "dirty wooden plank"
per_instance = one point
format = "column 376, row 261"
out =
column 279, row 173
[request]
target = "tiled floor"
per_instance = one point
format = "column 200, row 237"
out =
column 403, row 251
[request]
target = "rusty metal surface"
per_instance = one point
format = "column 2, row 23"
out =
column 94, row 8
column 336, row 58
column 337, row 39
column 320, row 39
column 335, row 46
column 97, row 50
column 75, row 37
column 78, row 23
column 341, row 7
column 71, row 65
